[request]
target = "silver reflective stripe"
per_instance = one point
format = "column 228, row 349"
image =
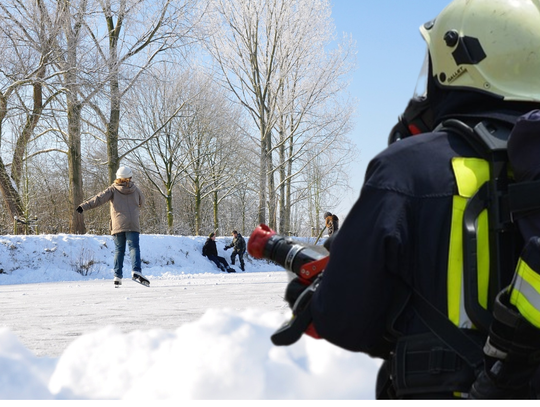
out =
column 492, row 351
column 464, row 320
column 528, row 291
column 293, row 251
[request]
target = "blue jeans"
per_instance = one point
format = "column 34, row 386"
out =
column 132, row 239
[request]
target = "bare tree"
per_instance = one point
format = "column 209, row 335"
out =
column 227, row 157
column 27, row 38
column 70, row 59
column 211, row 140
column 245, row 46
column 197, row 146
column 314, row 113
column 273, row 55
column 275, row 127
column 156, row 136
column 138, row 32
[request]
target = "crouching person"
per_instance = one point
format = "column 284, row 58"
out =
column 210, row 251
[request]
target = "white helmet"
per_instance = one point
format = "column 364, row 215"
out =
column 487, row 45
column 124, row 172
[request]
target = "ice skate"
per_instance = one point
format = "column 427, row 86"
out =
column 139, row 278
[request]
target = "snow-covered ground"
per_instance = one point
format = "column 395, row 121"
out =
column 195, row 334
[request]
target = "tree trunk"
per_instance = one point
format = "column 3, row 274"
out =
column 271, row 184
column 282, row 179
column 288, row 174
column 28, row 130
column 75, row 167
column 113, row 162
column 74, row 110
column 170, row 216
column 216, row 211
column 12, row 199
column 262, row 179
column 198, row 201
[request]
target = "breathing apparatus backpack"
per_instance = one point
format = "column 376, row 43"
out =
column 503, row 199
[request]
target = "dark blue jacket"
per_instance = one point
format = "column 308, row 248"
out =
column 397, row 234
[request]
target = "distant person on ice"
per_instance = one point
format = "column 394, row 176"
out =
column 239, row 248
column 210, row 251
column 331, row 223
column 126, row 200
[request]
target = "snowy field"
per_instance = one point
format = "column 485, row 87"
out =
column 196, row 334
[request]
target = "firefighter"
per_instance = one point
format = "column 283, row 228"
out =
column 395, row 276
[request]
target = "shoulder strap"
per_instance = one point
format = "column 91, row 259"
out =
column 453, row 337
column 524, row 197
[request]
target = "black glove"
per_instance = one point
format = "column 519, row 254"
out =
column 294, row 289
column 227, row 248
column 79, row 209
column 512, row 355
column 298, row 294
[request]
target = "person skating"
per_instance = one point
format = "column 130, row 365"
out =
column 126, row 200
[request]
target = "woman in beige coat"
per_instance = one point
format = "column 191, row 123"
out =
column 125, row 203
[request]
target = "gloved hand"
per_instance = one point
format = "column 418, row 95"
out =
column 227, row 248
column 294, row 289
column 298, row 294
column 79, row 209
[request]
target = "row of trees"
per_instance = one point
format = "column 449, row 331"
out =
column 231, row 112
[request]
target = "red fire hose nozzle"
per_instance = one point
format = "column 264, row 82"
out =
column 258, row 240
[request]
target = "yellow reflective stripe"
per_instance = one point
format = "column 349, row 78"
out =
column 525, row 293
column 455, row 262
column 482, row 252
column 471, row 174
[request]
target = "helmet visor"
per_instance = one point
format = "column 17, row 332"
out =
column 421, row 83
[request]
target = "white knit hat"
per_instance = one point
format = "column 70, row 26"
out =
column 124, row 172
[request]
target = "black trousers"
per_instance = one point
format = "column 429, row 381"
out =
column 240, row 257
column 221, row 263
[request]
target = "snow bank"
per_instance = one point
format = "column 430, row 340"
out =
column 63, row 257
column 224, row 355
